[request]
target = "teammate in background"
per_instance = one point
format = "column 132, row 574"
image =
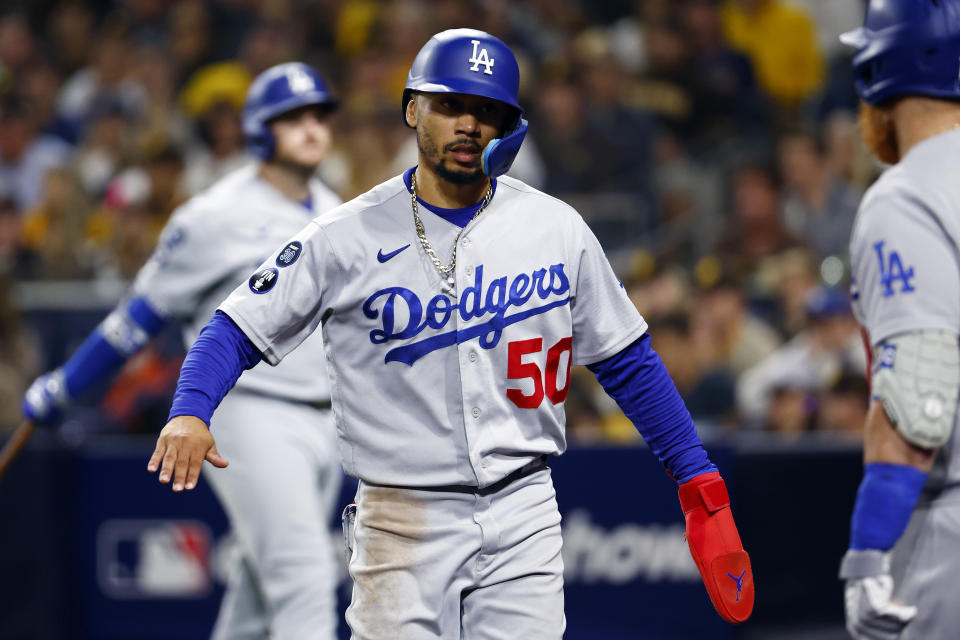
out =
column 276, row 426
column 453, row 302
column 900, row 573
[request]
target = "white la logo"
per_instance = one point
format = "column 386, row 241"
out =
column 482, row 59
column 299, row 81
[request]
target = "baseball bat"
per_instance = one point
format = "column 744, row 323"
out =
column 15, row 444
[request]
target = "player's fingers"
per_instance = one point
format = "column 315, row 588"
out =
column 157, row 456
column 169, row 464
column 196, row 465
column 214, row 458
column 193, row 471
column 180, row 471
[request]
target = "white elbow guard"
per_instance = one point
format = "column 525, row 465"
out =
column 915, row 377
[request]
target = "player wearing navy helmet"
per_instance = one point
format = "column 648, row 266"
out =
column 899, row 571
column 276, row 426
column 453, row 300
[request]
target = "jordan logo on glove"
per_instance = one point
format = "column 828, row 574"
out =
column 739, row 582
column 716, row 547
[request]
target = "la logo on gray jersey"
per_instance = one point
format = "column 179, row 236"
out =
column 299, row 81
column 482, row 59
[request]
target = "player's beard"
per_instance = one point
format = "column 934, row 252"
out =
column 430, row 150
column 300, row 169
column 295, row 166
column 879, row 134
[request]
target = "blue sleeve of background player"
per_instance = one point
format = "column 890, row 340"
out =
column 121, row 334
column 637, row 380
column 213, row 365
column 124, row 332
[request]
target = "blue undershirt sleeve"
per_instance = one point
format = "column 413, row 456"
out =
column 637, row 380
column 213, row 365
column 122, row 333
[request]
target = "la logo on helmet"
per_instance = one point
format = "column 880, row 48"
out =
column 482, row 59
column 299, row 81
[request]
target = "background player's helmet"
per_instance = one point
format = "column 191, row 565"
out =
column 475, row 63
column 276, row 91
column 907, row 47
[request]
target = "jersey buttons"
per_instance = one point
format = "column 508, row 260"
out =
column 473, row 356
column 475, row 412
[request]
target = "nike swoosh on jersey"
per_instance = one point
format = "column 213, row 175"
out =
column 383, row 257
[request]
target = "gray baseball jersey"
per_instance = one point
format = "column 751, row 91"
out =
column 906, row 277
column 905, row 263
column 433, row 389
column 211, row 243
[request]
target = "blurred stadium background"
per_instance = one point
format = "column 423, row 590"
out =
column 711, row 145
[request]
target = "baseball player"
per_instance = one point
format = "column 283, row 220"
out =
column 452, row 303
column 900, row 570
column 276, row 425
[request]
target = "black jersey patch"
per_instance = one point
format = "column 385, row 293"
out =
column 263, row 280
column 289, row 254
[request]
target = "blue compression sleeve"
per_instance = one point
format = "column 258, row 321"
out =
column 106, row 349
column 887, row 496
column 212, row 366
column 641, row 386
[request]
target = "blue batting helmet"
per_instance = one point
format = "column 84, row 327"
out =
column 475, row 63
column 278, row 90
column 907, row 47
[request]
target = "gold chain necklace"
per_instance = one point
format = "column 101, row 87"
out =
column 445, row 271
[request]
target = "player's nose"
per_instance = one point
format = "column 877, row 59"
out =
column 314, row 129
column 468, row 124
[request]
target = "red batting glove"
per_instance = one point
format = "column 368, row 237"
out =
column 715, row 546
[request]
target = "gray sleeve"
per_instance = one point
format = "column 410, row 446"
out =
column 281, row 304
column 904, row 268
column 605, row 320
column 191, row 258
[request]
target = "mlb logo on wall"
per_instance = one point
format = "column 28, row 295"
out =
column 142, row 559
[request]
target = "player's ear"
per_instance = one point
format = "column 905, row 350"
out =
column 411, row 114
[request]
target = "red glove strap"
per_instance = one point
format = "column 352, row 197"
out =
column 715, row 546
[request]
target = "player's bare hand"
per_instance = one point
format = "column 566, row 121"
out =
column 183, row 445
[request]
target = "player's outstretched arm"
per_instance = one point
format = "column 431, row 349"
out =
column 213, row 365
column 102, row 354
column 638, row 381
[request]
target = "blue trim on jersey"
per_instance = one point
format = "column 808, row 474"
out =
column 96, row 359
column 641, row 386
column 887, row 496
column 308, row 203
column 460, row 217
column 212, row 366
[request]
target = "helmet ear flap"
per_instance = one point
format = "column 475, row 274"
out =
column 500, row 153
column 260, row 141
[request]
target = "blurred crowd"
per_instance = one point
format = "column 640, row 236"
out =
column 711, row 145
